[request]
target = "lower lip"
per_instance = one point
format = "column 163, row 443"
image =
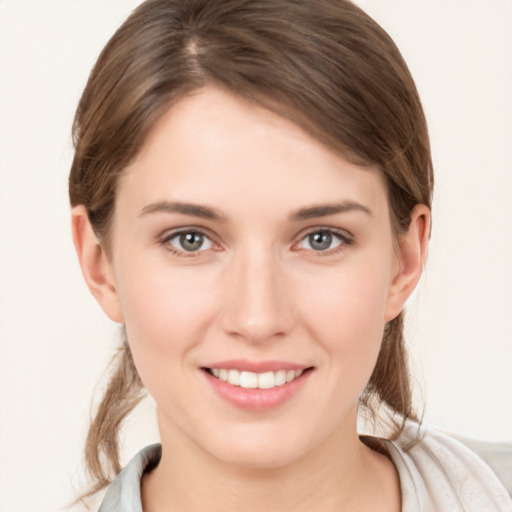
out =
column 257, row 399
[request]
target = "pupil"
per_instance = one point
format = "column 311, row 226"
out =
column 191, row 241
column 320, row 241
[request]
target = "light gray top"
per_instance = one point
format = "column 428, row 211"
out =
column 439, row 473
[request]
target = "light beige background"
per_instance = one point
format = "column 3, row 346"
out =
column 54, row 340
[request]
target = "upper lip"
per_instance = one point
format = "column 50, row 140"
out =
column 245, row 365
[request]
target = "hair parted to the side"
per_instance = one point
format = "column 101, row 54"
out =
column 324, row 64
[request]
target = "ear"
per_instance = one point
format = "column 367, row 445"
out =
column 96, row 267
column 411, row 258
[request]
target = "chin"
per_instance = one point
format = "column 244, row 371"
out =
column 254, row 447
column 251, row 458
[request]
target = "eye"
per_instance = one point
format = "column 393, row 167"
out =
column 188, row 241
column 323, row 240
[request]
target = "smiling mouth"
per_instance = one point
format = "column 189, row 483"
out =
column 252, row 380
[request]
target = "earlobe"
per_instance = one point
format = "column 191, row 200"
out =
column 411, row 255
column 96, row 268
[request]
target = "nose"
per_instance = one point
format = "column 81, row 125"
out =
column 258, row 302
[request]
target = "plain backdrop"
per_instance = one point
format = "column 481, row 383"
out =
column 54, row 339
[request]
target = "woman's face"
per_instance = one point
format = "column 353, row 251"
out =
column 243, row 249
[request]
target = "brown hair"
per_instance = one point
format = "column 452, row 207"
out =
column 324, row 64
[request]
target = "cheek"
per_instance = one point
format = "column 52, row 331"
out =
column 346, row 315
column 355, row 297
column 166, row 311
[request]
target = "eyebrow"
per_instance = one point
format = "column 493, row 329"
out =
column 323, row 210
column 205, row 212
column 194, row 210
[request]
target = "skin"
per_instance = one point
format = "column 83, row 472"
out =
column 257, row 290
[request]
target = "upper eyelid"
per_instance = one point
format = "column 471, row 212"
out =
column 346, row 239
column 164, row 241
column 168, row 235
column 342, row 233
column 172, row 233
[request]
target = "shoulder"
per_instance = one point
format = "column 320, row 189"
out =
column 441, row 472
column 124, row 492
column 498, row 456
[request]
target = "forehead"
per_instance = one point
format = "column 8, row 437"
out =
column 214, row 146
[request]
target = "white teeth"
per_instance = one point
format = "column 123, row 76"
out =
column 251, row 380
column 280, row 377
column 248, row 380
column 266, row 380
column 234, row 377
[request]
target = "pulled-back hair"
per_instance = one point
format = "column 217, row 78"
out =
column 324, row 64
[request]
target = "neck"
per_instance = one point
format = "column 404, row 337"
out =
column 341, row 474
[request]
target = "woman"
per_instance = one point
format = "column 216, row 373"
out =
column 251, row 197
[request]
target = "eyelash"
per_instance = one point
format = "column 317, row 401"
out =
column 344, row 238
column 166, row 241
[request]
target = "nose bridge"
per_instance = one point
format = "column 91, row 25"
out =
column 257, row 305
